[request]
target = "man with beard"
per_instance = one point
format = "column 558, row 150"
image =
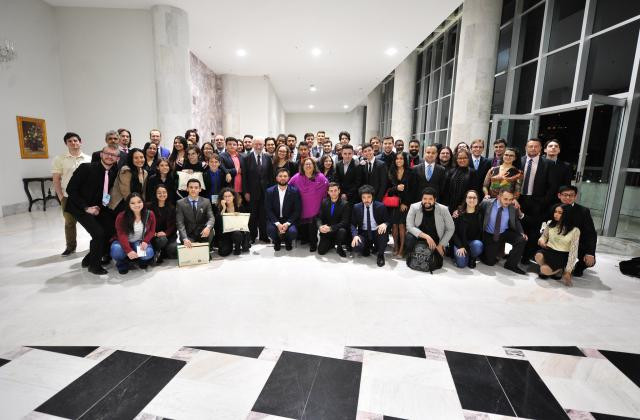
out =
column 431, row 222
column 291, row 144
column 369, row 225
column 283, row 207
column 375, row 144
column 414, row 153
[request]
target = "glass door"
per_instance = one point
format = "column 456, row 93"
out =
column 516, row 129
column 597, row 154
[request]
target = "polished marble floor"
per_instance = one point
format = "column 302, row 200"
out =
column 303, row 324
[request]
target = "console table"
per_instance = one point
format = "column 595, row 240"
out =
column 48, row 196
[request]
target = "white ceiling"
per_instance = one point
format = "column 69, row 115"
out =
column 279, row 35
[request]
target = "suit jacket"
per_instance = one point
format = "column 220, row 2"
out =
column 560, row 173
column 483, row 167
column 257, row 179
column 189, row 224
column 416, row 160
column 379, row 214
column 377, row 179
column 443, row 220
column 85, row 187
column 291, row 206
column 350, row 182
column 437, row 181
column 542, row 185
column 226, row 162
column 387, row 159
column 514, row 222
column 341, row 214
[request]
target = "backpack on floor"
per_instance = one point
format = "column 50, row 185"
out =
column 423, row 259
column 631, row 267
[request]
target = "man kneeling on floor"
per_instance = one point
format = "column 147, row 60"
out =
column 194, row 216
column 369, row 221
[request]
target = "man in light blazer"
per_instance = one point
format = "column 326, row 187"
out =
column 283, row 208
column 194, row 216
column 501, row 224
column 430, row 221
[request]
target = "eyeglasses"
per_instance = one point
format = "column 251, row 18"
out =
column 567, row 195
column 113, row 155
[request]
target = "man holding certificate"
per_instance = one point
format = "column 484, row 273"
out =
column 194, row 216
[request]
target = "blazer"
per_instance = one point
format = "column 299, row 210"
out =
column 351, row 181
column 226, row 162
column 85, row 187
column 341, row 214
column 291, row 206
column 122, row 187
column 437, row 181
column 560, row 173
column 289, row 166
column 257, row 179
column 483, row 167
column 207, row 189
column 542, row 183
column 377, row 179
column 190, row 225
column 514, row 222
column 415, row 160
column 444, row 222
column 149, row 229
column 387, row 159
column 379, row 213
column 407, row 180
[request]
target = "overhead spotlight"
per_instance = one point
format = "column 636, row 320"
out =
column 391, row 51
column 241, row 53
column 311, row 106
column 316, row 52
column 312, row 88
column 345, row 106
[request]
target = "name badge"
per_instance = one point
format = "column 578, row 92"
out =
column 214, row 199
column 141, row 252
column 105, row 199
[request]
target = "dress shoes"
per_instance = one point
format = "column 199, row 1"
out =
column 85, row 261
column 313, row 248
column 341, row 252
column 288, row 246
column 98, row 270
column 515, row 269
column 472, row 262
column 277, row 246
column 68, row 252
column 380, row 260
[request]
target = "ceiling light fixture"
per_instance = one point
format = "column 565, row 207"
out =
column 312, row 88
column 311, row 106
column 391, row 51
column 316, row 52
column 241, row 53
column 345, row 106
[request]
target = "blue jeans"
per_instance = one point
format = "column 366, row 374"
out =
column 120, row 257
column 475, row 250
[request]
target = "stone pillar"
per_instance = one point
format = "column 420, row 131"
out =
column 374, row 104
column 173, row 76
column 357, row 125
column 230, row 105
column 404, row 88
column 476, row 65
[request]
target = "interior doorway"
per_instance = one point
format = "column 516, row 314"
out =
column 566, row 127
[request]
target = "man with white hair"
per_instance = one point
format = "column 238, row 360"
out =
column 257, row 178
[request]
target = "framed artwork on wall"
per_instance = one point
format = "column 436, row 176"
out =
column 32, row 135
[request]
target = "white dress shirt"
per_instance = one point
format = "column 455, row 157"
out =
column 281, row 194
column 532, row 175
column 374, row 225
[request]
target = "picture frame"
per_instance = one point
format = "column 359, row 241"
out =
column 32, row 137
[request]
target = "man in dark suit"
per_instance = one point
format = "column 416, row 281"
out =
column 88, row 191
column 194, row 216
column 567, row 194
column 499, row 146
column 560, row 172
column 258, row 177
column 333, row 222
column 233, row 164
column 369, row 220
column 348, row 175
column 414, row 153
column 536, row 195
column 501, row 225
column 374, row 172
column 111, row 138
column 387, row 155
column 283, row 207
column 480, row 164
column 428, row 174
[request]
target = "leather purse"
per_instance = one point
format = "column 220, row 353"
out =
column 391, row 201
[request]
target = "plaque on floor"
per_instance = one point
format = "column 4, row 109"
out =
column 197, row 254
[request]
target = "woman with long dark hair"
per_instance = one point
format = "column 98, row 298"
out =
column 135, row 227
column 399, row 179
column 559, row 244
column 206, row 151
column 325, row 165
column 460, row 179
column 467, row 237
column 505, row 175
column 150, row 151
column 238, row 241
column 132, row 178
column 282, row 159
column 178, row 154
column 162, row 176
column 165, row 238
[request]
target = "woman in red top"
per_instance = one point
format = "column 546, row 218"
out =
column 135, row 227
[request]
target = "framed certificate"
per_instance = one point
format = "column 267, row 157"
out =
column 233, row 222
column 197, row 254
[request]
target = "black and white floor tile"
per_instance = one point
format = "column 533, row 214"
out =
column 367, row 383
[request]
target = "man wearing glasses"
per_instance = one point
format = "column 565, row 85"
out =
column 89, row 194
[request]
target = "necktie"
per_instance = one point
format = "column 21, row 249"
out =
column 105, row 187
column 193, row 206
column 259, row 161
column 369, row 168
column 429, row 172
column 368, row 222
column 333, row 207
column 496, row 228
column 476, row 162
column 526, row 176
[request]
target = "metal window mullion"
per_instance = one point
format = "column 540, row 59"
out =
column 542, row 62
column 583, row 51
column 513, row 56
column 526, row 12
column 564, row 47
column 614, row 27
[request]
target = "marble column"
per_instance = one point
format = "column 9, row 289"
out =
column 404, row 87
column 374, row 104
column 357, row 124
column 173, row 76
column 476, row 65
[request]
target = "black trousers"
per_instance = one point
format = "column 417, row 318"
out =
column 410, row 243
column 331, row 239
column 101, row 228
column 379, row 240
column 231, row 240
column 492, row 248
column 258, row 217
column 308, row 232
column 168, row 247
column 534, row 209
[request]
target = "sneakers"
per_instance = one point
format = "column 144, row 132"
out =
column 67, row 252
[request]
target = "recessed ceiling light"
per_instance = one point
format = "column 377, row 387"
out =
column 316, row 52
column 312, row 88
column 311, row 106
column 391, row 51
column 241, row 53
column 345, row 106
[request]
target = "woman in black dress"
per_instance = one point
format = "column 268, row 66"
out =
column 325, row 165
column 150, row 151
column 460, row 179
column 399, row 186
column 164, row 241
column 162, row 176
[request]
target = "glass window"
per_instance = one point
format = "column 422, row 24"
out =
column 528, row 4
column 444, row 113
column 438, row 55
column 448, row 79
column 420, row 61
column 611, row 60
column 452, row 36
column 431, row 124
column 525, row 79
column 431, row 138
column 499, row 87
column 504, row 44
column 425, row 113
column 427, row 61
column 531, row 31
column 610, row 12
column 441, row 137
column 435, row 85
column 558, row 78
column 566, row 23
column 508, row 9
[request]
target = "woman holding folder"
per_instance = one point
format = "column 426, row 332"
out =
column 236, row 241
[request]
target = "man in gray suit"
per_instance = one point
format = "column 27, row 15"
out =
column 194, row 216
column 429, row 221
column 501, row 225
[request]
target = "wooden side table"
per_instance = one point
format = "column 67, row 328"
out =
column 48, row 196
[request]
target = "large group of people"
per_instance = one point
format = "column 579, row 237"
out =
column 139, row 204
